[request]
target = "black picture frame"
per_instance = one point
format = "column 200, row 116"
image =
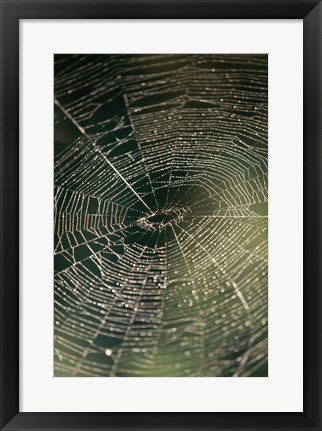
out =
column 11, row 12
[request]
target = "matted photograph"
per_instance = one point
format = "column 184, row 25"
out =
column 161, row 215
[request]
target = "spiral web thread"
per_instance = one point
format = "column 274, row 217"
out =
column 161, row 215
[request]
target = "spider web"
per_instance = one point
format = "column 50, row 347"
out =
column 161, row 215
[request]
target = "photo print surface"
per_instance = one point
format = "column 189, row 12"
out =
column 161, row 215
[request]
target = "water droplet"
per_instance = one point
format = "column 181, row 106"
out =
column 108, row 351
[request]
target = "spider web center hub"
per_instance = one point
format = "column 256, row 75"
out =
column 158, row 220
